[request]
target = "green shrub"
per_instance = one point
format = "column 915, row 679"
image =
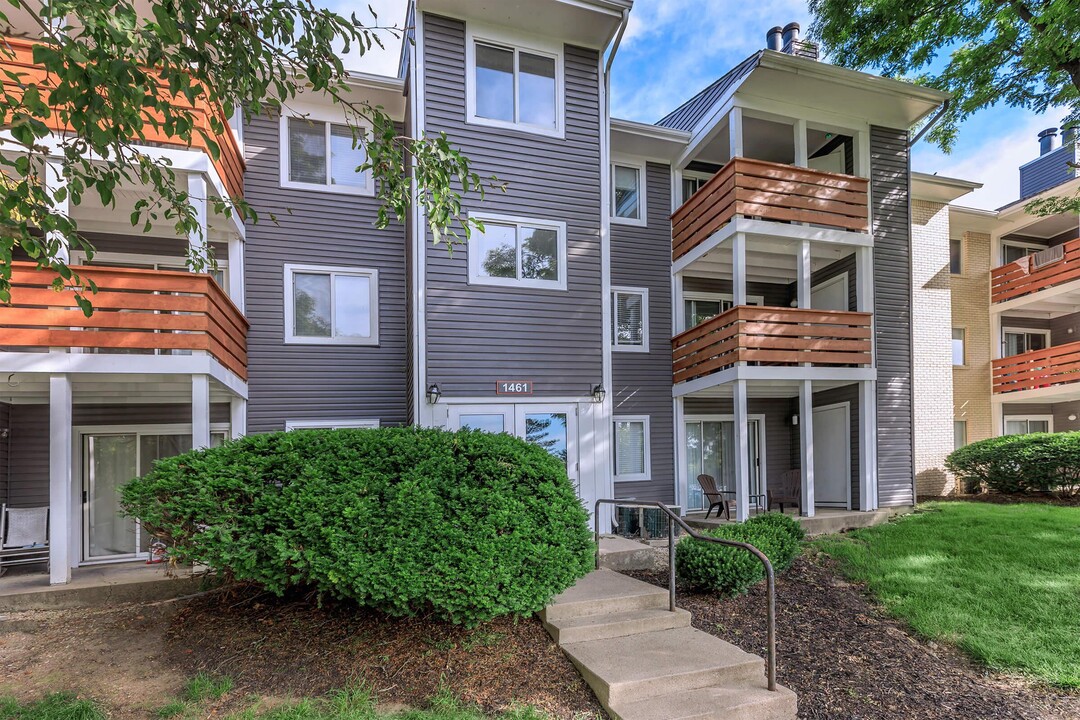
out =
column 465, row 526
column 730, row 570
column 1036, row 462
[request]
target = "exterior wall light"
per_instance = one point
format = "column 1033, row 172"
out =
column 599, row 393
column 433, row 393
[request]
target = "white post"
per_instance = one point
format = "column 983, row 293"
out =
column 802, row 158
column 864, row 292
column 735, row 132
column 197, row 194
column 997, row 417
column 200, row 411
column 806, row 446
column 803, row 286
column 55, row 181
column 678, row 307
column 237, row 417
column 738, row 269
column 742, row 452
column 60, row 480
column 236, row 271
column 868, row 479
column 682, row 480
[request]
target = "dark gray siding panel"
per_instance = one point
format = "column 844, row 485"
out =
column 1013, row 409
column 773, row 294
column 1062, row 413
column 5, row 444
column 890, row 202
column 850, row 395
column 477, row 334
column 313, row 382
column 641, row 258
column 1047, row 171
column 1064, row 329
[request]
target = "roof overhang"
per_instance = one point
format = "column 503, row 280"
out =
column 938, row 188
column 969, row 219
column 587, row 23
column 647, row 141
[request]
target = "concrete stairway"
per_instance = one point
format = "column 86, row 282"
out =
column 645, row 662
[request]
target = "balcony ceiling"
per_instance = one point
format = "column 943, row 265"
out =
column 768, row 261
column 766, row 389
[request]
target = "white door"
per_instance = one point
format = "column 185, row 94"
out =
column 831, row 294
column 832, row 456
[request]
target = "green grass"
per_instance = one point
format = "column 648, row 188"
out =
column 55, row 706
column 206, row 687
column 1001, row 582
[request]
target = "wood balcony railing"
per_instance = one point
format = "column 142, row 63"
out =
column 151, row 310
column 773, row 191
column 1058, row 365
column 1037, row 272
column 772, row 336
column 230, row 160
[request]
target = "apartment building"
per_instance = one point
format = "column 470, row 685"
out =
column 727, row 292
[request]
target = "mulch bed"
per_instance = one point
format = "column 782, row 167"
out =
column 846, row 659
column 1012, row 499
column 292, row 647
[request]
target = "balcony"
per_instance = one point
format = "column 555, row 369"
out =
column 772, row 336
column 1053, row 367
column 229, row 163
column 771, row 191
column 1054, row 267
column 154, row 311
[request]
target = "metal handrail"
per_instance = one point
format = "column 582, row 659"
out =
column 673, row 519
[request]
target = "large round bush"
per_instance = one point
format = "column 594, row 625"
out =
column 732, row 570
column 1037, row 462
column 464, row 525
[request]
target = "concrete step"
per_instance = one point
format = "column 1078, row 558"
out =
column 636, row 667
column 612, row 625
column 712, row 703
column 602, row 592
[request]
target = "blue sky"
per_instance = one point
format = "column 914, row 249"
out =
column 673, row 48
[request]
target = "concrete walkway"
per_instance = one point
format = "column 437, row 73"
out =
column 28, row 588
column 645, row 662
column 825, row 520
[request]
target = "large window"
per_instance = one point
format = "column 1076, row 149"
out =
column 1017, row 340
column 630, row 319
column 1011, row 252
column 631, row 448
column 514, row 87
column 959, row 356
column 518, row 251
column 1024, row 425
column 331, row 305
column 322, row 155
column 956, row 259
column 628, row 193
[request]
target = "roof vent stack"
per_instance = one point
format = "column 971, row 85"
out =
column 1068, row 135
column 1047, row 140
column 774, row 39
column 791, row 43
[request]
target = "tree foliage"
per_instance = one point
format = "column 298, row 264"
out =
column 116, row 72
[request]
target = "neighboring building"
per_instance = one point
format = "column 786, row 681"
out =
column 727, row 292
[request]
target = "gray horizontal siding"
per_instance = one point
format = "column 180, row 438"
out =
column 847, row 394
column 774, row 294
column 317, row 382
column 890, row 203
column 1049, row 170
column 478, row 334
column 641, row 258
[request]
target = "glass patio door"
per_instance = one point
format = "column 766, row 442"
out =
column 710, row 451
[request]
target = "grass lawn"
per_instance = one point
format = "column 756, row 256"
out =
column 1002, row 582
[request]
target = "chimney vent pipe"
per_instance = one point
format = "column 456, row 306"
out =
column 791, row 34
column 774, row 39
column 1047, row 140
column 1068, row 135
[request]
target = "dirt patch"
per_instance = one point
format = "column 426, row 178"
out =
column 846, row 659
column 995, row 498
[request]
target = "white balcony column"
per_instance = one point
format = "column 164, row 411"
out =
column 996, row 338
column 735, row 132
column 864, row 293
column 198, row 192
column 236, row 271
column 803, row 282
column 200, row 411
column 60, row 479
column 738, row 269
column 742, row 451
column 55, row 181
column 678, row 305
column 997, row 416
column 802, row 157
column 237, row 417
column 806, row 446
column 868, row 476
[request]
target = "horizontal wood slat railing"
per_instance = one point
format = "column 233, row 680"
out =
column 134, row 309
column 1058, row 365
column 773, row 191
column 230, row 161
column 1020, row 278
column 771, row 336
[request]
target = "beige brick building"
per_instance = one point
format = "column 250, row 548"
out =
column 971, row 315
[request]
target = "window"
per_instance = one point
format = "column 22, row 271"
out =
column 331, row 305
column 692, row 183
column 519, row 252
column 956, row 251
column 514, row 87
column 320, row 154
column 959, row 434
column 631, row 448
column 1016, row 341
column 329, row 424
column 1011, row 253
column 630, row 319
column 628, row 193
column 699, row 307
column 1024, row 425
column 958, row 355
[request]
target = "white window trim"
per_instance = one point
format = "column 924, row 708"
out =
column 476, row 278
column 643, row 201
column 315, row 115
column 1049, row 419
column 509, row 40
column 332, row 424
column 691, row 175
column 372, row 274
column 644, row 346
column 757, row 300
column 1024, row 331
column 1017, row 244
column 631, row 477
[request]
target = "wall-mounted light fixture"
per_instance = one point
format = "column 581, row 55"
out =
column 599, row 393
column 795, row 420
column 1072, row 418
column 433, row 393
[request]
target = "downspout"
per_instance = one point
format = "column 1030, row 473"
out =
column 933, row 121
column 615, row 47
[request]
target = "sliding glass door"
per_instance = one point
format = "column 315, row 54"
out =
column 710, row 451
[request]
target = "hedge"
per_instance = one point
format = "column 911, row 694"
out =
column 1036, row 462
column 465, row 526
column 730, row 570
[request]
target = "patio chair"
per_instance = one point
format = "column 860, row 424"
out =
column 786, row 491
column 715, row 496
column 24, row 536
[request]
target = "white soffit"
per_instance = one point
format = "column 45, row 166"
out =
column 588, row 23
column 938, row 188
column 646, row 141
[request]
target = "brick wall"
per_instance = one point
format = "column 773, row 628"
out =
column 932, row 346
column 971, row 311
